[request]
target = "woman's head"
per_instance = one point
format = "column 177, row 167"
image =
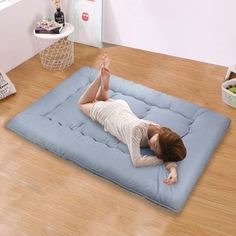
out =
column 168, row 145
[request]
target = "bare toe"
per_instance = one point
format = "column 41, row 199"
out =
column 105, row 61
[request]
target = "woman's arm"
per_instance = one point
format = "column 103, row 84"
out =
column 172, row 177
column 134, row 148
column 141, row 161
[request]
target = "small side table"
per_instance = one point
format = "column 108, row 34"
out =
column 59, row 55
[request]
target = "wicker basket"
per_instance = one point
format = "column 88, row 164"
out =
column 230, row 79
column 58, row 56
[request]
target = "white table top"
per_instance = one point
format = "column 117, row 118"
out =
column 67, row 30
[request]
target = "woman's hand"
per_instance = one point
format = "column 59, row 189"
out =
column 172, row 177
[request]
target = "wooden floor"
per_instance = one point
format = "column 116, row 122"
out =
column 41, row 194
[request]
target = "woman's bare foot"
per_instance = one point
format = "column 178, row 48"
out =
column 105, row 62
column 105, row 72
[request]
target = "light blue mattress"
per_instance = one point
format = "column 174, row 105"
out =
column 55, row 123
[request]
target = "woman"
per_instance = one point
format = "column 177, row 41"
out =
column 117, row 118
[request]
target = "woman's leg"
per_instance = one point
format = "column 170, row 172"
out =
column 98, row 90
column 90, row 93
column 103, row 92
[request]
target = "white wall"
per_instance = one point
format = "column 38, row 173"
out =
column 17, row 43
column 203, row 30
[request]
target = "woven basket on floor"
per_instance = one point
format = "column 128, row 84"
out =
column 230, row 79
column 58, row 56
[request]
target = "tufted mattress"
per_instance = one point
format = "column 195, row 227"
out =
column 55, row 123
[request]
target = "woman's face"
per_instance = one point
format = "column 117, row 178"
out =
column 154, row 145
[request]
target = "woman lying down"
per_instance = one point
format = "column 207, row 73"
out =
column 117, row 118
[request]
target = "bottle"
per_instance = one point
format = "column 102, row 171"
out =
column 59, row 17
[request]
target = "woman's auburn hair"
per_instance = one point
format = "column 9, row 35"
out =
column 172, row 146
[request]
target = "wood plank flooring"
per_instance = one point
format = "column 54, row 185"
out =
column 41, row 194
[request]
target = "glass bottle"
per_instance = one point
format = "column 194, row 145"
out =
column 59, row 16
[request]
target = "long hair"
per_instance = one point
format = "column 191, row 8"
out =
column 172, row 146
